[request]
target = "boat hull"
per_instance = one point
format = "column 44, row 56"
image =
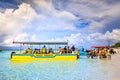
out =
column 28, row 57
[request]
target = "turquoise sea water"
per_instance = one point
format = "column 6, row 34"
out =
column 82, row 69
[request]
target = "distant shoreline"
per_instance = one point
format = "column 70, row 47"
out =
column 117, row 49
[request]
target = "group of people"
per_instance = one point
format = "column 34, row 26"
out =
column 102, row 53
column 69, row 50
column 37, row 51
column 64, row 50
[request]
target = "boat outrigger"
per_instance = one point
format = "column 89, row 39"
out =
column 44, row 54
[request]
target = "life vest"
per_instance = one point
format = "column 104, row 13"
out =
column 44, row 50
column 35, row 52
column 103, row 51
column 28, row 51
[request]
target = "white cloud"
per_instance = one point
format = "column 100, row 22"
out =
column 13, row 22
column 54, row 19
column 109, row 38
column 64, row 15
column 105, row 39
column 45, row 6
column 25, row 12
column 97, row 14
column 73, row 39
column 17, row 22
column 34, row 38
column 112, row 11
column 36, row 20
column 19, row 37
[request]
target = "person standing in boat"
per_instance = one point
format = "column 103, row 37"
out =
column 73, row 49
column 51, row 51
column 44, row 50
column 82, row 49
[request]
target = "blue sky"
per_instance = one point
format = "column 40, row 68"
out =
column 82, row 22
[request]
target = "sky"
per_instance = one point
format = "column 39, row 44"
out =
column 83, row 23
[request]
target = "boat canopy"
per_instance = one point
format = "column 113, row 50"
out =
column 100, row 46
column 42, row 43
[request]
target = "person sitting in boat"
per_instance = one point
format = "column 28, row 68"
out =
column 28, row 51
column 44, row 50
column 51, row 51
column 61, row 50
column 65, row 49
column 36, row 51
column 69, row 50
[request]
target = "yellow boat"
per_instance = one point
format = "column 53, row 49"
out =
column 18, row 56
